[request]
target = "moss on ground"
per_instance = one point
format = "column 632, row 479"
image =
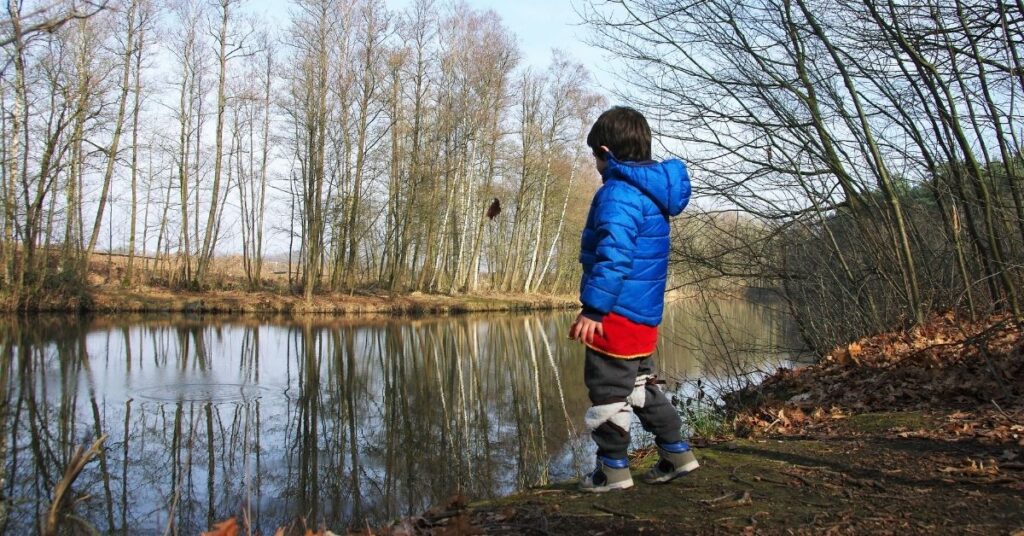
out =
column 890, row 422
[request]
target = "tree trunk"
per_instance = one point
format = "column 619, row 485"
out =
column 115, row 141
column 15, row 261
column 206, row 253
column 130, row 271
column 561, row 224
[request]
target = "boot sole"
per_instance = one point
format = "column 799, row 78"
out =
column 682, row 471
column 625, row 484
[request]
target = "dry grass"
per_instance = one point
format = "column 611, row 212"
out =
column 153, row 289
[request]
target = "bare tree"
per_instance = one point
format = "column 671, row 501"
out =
column 840, row 182
column 396, row 129
column 226, row 51
column 122, row 106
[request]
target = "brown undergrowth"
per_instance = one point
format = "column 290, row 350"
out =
column 972, row 373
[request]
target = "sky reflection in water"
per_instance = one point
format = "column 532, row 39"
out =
column 340, row 421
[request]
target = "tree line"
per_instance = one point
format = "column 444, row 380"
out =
column 861, row 159
column 403, row 150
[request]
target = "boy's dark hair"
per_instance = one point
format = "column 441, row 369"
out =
column 624, row 131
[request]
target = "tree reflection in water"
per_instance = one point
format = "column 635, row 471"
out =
column 343, row 422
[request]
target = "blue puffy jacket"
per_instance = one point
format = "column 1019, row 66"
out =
column 625, row 244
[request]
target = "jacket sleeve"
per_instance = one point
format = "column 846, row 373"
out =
column 617, row 224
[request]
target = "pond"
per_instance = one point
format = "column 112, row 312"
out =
column 344, row 421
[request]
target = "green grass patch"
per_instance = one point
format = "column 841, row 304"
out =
column 703, row 422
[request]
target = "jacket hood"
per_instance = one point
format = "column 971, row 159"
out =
column 666, row 183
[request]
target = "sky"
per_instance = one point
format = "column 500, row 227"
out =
column 539, row 25
column 542, row 25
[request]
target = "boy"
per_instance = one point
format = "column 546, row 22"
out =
column 624, row 251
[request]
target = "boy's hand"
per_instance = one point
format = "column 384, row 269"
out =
column 583, row 329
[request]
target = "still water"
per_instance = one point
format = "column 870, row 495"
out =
column 343, row 421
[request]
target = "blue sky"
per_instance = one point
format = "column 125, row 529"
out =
column 542, row 25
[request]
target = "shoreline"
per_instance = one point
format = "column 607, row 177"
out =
column 116, row 300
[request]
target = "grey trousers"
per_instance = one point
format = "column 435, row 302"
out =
column 608, row 380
